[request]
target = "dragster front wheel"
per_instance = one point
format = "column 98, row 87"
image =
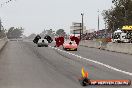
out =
column 85, row 82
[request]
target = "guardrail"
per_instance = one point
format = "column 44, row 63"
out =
column 3, row 42
column 116, row 47
column 120, row 47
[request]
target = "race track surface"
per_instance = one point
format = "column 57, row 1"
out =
column 24, row 65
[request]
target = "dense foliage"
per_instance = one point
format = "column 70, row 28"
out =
column 60, row 32
column 119, row 15
column 15, row 32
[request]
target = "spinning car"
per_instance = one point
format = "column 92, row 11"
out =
column 70, row 45
column 48, row 38
column 42, row 43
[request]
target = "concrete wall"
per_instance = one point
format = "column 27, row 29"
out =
column 116, row 47
column 3, row 42
column 120, row 47
column 92, row 44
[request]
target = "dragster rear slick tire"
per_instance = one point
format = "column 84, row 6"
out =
column 75, row 49
column 84, row 81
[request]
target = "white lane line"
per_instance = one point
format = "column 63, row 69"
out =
column 96, row 62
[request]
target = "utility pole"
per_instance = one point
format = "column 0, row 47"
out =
column 113, row 30
column 98, row 20
column 105, row 30
column 80, row 31
column 74, row 32
column 0, row 25
column 82, row 25
column 125, row 12
column 82, row 21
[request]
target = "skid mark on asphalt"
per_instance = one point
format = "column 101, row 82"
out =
column 96, row 62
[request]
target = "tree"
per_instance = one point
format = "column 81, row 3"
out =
column 119, row 15
column 32, row 36
column 2, row 33
column 2, row 30
column 15, row 32
column 60, row 32
column 49, row 32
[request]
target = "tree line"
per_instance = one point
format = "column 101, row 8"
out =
column 12, row 33
column 119, row 15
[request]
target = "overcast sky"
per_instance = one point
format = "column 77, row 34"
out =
column 37, row 15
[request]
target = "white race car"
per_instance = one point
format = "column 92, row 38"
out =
column 42, row 43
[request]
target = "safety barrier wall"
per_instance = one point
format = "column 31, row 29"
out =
column 90, row 43
column 116, row 47
column 120, row 47
column 3, row 41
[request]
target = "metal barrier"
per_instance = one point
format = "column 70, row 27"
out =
column 3, row 41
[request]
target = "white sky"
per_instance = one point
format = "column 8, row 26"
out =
column 37, row 15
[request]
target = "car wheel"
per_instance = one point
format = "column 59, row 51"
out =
column 76, row 49
column 46, row 45
column 39, row 46
column 85, row 82
column 64, row 48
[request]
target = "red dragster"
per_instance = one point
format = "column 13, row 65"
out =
column 70, row 45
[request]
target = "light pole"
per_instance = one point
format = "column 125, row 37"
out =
column 113, row 30
column 105, row 30
column 112, row 27
column 0, row 25
column 82, row 14
column 98, row 20
column 125, row 13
